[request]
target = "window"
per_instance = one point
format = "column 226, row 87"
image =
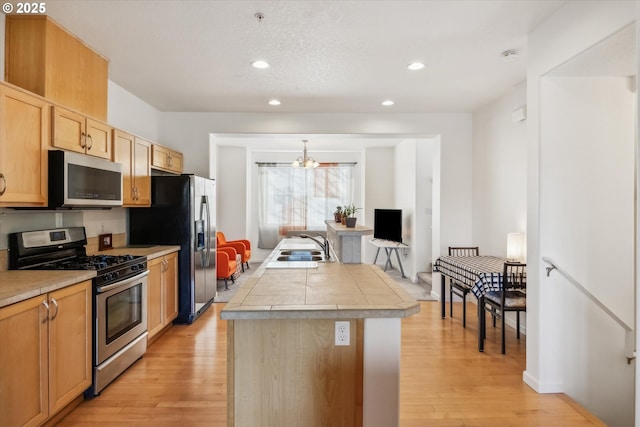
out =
column 292, row 199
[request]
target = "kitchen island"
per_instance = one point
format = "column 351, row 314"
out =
column 315, row 344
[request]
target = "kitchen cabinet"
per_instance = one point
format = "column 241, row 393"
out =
column 165, row 159
column 45, row 354
column 162, row 292
column 24, row 137
column 76, row 132
column 134, row 154
column 44, row 58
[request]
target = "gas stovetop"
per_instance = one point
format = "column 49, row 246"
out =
column 90, row 262
column 63, row 249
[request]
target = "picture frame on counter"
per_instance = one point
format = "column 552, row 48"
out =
column 105, row 241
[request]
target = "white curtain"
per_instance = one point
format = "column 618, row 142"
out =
column 293, row 199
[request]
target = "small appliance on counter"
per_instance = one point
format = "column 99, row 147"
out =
column 182, row 213
column 119, row 294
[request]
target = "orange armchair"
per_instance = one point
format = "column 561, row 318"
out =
column 226, row 265
column 242, row 246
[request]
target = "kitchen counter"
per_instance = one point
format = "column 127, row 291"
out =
column 315, row 344
column 150, row 251
column 330, row 291
column 347, row 241
column 20, row 285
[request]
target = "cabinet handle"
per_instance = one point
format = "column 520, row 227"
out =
column 55, row 304
column 170, row 160
column 90, row 141
column 46, row 306
column 4, row 184
column 83, row 140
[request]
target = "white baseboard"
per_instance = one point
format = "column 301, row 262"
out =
column 539, row 387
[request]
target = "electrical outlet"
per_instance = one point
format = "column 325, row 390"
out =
column 343, row 337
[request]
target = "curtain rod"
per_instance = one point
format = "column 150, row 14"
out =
column 322, row 164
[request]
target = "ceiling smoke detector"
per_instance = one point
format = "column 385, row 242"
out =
column 259, row 16
column 510, row 54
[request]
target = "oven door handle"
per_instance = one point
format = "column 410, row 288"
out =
column 123, row 283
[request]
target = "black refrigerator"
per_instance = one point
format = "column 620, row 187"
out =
column 182, row 212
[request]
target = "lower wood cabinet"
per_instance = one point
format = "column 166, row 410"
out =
column 45, row 354
column 162, row 290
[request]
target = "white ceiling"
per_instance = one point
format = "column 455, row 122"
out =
column 326, row 56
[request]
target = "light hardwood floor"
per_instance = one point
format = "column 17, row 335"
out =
column 445, row 381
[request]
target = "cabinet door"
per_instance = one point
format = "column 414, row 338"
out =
column 99, row 139
column 160, row 157
column 69, row 131
column 142, row 172
column 24, row 363
column 24, row 140
column 154, row 296
column 176, row 162
column 171, row 287
column 123, row 154
column 70, row 338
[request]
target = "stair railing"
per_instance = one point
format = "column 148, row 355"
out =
column 629, row 335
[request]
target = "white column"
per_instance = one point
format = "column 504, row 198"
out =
column 381, row 382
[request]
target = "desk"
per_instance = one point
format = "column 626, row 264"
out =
column 389, row 248
column 481, row 273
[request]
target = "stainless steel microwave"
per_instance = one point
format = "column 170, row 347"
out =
column 82, row 181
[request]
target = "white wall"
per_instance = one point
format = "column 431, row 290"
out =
column 405, row 199
column 378, row 189
column 499, row 173
column 567, row 210
column 128, row 112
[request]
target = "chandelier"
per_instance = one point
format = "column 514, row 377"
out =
column 305, row 161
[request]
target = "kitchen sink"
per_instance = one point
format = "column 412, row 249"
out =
column 301, row 252
column 300, row 258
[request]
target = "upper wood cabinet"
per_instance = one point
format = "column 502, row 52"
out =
column 76, row 132
column 134, row 154
column 44, row 58
column 24, row 138
column 165, row 159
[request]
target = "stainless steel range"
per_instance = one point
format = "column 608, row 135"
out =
column 119, row 294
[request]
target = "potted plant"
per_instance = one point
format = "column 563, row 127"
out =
column 349, row 213
column 337, row 215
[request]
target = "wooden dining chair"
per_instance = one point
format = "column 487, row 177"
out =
column 458, row 288
column 512, row 297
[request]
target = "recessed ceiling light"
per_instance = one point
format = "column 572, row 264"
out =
column 387, row 103
column 260, row 64
column 414, row 66
column 274, row 102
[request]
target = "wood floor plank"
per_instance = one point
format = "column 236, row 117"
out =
column 444, row 380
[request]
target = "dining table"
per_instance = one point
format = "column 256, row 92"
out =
column 480, row 273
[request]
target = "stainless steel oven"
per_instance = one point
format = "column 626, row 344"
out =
column 121, row 327
column 119, row 294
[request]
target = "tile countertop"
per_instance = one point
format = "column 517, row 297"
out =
column 20, row 285
column 332, row 290
column 150, row 251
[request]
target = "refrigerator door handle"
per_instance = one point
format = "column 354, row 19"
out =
column 205, row 204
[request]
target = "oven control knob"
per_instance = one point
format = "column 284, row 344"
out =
column 140, row 267
column 108, row 276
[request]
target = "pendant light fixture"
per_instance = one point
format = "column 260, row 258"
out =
column 305, row 161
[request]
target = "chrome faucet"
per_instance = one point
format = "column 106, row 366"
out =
column 324, row 245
